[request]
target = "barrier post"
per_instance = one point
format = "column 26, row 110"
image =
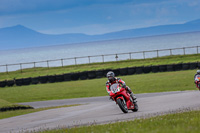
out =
column 62, row 62
column 197, row 49
column 116, row 57
column 34, row 66
column 48, row 64
column 157, row 54
column 183, row 50
column 7, row 68
column 103, row 58
column 170, row 51
column 21, row 67
column 75, row 60
column 144, row 54
column 89, row 59
column 130, row 55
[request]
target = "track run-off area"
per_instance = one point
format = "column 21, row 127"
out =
column 98, row 110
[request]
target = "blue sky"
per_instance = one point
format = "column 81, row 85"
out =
column 95, row 16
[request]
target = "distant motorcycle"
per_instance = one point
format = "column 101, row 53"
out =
column 122, row 98
column 197, row 81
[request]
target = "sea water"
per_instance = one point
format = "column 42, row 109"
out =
column 70, row 53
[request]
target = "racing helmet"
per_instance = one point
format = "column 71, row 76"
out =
column 111, row 76
column 198, row 71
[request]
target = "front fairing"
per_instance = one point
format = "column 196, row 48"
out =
column 197, row 78
column 117, row 90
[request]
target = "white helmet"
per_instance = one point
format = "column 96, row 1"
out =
column 198, row 71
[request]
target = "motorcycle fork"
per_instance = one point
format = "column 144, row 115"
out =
column 123, row 99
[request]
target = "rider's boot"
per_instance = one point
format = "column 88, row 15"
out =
column 134, row 101
column 133, row 97
column 131, row 94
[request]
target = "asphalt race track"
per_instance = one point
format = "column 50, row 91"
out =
column 99, row 110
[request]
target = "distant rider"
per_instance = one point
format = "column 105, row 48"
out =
column 112, row 80
column 195, row 81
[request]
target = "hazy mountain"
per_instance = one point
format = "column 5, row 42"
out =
column 22, row 37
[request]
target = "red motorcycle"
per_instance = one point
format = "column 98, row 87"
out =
column 197, row 81
column 122, row 98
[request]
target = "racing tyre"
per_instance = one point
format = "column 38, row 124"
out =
column 122, row 105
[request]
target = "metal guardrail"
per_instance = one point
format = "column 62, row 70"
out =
column 103, row 57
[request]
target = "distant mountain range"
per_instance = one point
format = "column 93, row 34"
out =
column 21, row 37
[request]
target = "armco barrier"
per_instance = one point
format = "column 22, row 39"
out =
column 139, row 70
column 186, row 66
column 131, row 70
column 43, row 79
column 75, row 76
column 106, row 71
column 59, row 78
column 193, row 65
column 170, row 67
column 123, row 71
column 10, row 83
column 100, row 74
column 11, row 108
column 163, row 68
column 91, row 75
column 19, row 82
column 67, row 77
column 178, row 67
column 26, row 81
column 83, row 75
column 52, row 79
column 3, row 83
column 147, row 69
column 155, row 69
column 35, row 80
column 116, row 71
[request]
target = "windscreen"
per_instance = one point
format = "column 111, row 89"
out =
column 197, row 77
column 113, row 87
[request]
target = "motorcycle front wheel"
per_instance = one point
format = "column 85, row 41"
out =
column 122, row 105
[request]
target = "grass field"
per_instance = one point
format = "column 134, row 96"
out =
column 35, row 72
column 142, row 83
column 185, row 122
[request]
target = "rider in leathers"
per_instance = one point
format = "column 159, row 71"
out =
column 112, row 80
column 197, row 82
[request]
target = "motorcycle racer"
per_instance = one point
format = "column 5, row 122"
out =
column 195, row 78
column 112, row 80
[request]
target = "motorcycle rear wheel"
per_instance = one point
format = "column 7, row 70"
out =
column 122, row 105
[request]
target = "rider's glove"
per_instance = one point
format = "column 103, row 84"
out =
column 123, row 85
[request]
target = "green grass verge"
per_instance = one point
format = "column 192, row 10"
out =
column 186, row 122
column 13, row 113
column 35, row 72
column 142, row 83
